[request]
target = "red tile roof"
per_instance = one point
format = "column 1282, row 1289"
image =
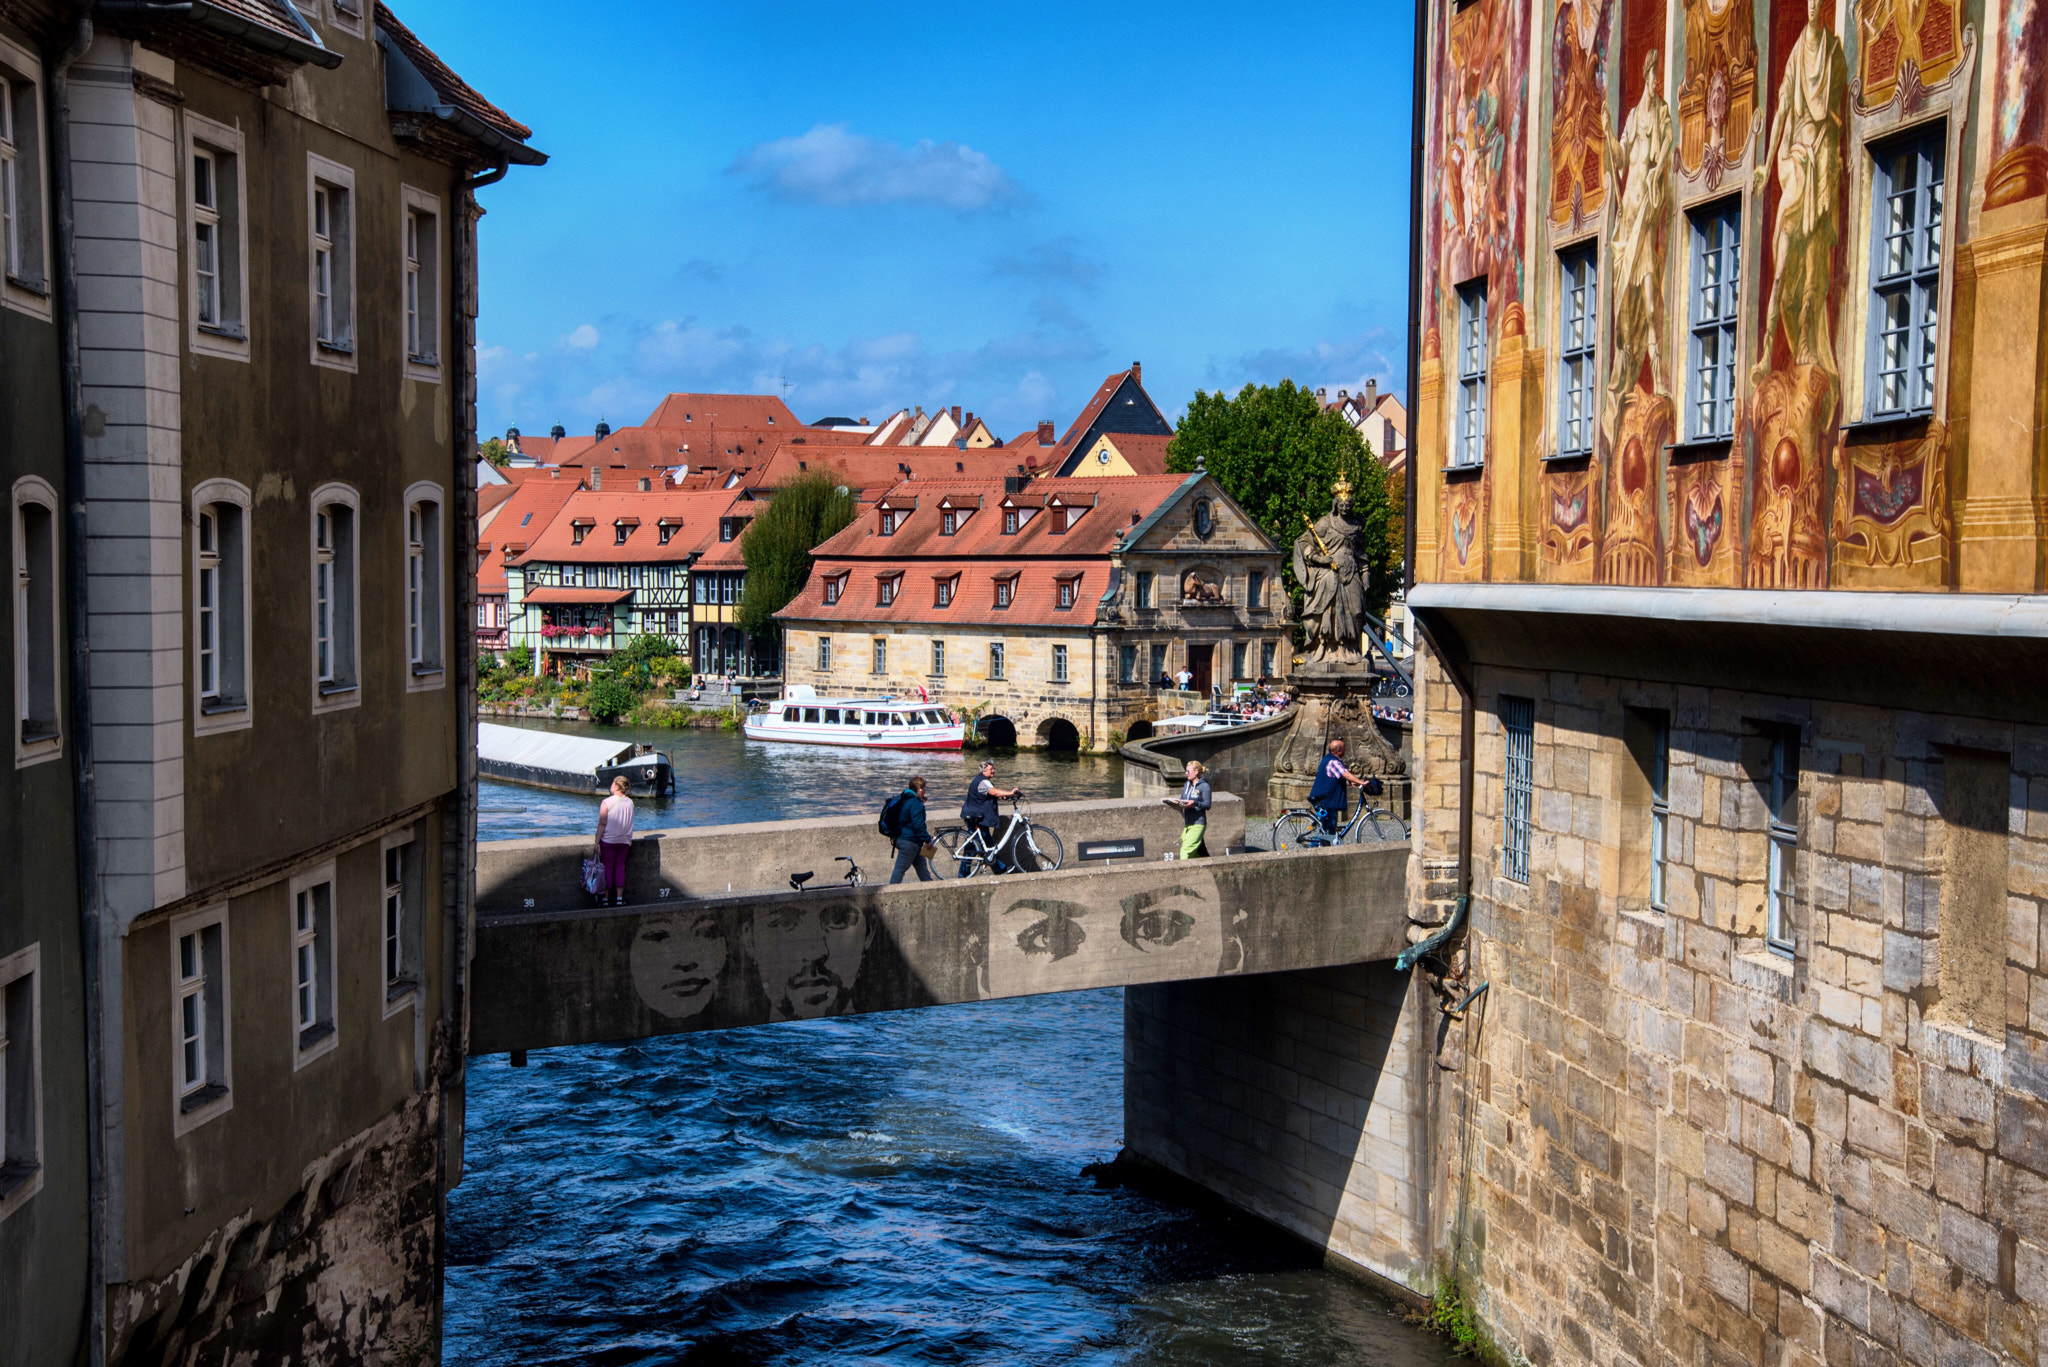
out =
column 877, row 468
column 1035, row 601
column 520, row 519
column 447, row 85
column 1145, row 451
column 1109, row 506
column 489, row 496
column 765, row 411
column 694, row 514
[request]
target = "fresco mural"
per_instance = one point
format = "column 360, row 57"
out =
column 1892, row 524
column 1482, row 86
column 1796, row 396
column 1905, row 51
column 1579, row 130
column 1704, row 499
column 1462, row 552
column 1567, row 514
column 1717, row 98
column 2019, row 129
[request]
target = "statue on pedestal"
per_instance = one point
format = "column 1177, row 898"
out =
column 1326, row 565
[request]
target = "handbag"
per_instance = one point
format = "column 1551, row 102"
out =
column 593, row 875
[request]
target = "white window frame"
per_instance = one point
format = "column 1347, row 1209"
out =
column 1919, row 282
column 22, row 1155
column 228, row 337
column 32, row 491
column 824, row 653
column 230, row 710
column 425, row 582
column 1578, row 340
column 1059, row 664
column 420, row 269
column 341, row 16
column 338, row 282
column 880, row 662
column 339, row 688
column 192, row 1105
column 938, row 658
column 1474, row 362
column 319, row 1037
column 995, row 660
column 1713, row 315
column 24, row 269
column 403, row 990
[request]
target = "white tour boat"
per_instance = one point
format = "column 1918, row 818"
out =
column 876, row 723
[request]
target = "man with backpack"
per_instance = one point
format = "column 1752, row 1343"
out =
column 903, row 822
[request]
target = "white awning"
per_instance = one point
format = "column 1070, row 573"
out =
column 547, row 749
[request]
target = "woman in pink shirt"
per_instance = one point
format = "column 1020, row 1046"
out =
column 615, row 841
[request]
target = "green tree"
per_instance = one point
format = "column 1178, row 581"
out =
column 1278, row 452
column 496, row 453
column 610, row 698
column 777, row 545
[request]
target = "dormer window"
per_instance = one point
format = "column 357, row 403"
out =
column 620, row 531
column 576, row 532
column 1006, row 591
column 891, row 520
column 666, row 532
column 949, row 521
column 885, row 589
column 943, row 591
column 833, row 586
column 1069, row 589
column 1011, row 521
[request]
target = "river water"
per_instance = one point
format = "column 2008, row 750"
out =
column 901, row 1188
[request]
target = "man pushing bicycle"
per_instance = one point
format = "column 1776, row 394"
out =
column 1329, row 796
column 980, row 814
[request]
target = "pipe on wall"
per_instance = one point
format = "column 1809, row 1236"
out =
column 78, row 661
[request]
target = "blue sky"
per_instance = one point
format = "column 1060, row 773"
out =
column 867, row 207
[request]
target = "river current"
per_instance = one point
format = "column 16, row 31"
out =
column 899, row 1188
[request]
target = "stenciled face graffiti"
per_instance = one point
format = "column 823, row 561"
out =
column 1172, row 927
column 677, row 961
column 808, row 957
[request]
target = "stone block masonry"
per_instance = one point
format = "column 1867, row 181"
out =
column 1300, row 1097
column 1684, row 1145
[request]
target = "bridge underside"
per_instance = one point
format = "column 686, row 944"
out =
column 548, row 978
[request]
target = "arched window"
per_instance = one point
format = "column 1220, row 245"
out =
column 424, row 649
column 38, row 731
column 336, row 682
column 220, row 607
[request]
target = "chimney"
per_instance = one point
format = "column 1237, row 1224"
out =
column 956, row 415
column 1321, row 393
column 1343, row 394
column 596, row 476
column 644, row 484
column 1372, row 390
column 1138, row 372
column 1045, row 437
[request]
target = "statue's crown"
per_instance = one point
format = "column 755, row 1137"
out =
column 1342, row 490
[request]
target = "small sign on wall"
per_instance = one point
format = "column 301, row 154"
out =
column 1133, row 848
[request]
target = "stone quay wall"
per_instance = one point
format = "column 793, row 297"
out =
column 1678, row 1146
column 1300, row 1097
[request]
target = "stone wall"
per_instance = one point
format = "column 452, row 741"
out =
column 1300, row 1097
column 1687, row 1148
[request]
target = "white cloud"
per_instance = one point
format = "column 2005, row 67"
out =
column 583, row 338
column 1346, row 363
column 835, row 166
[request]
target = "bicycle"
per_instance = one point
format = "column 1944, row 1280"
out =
column 1034, row 848
column 1301, row 829
column 853, row 876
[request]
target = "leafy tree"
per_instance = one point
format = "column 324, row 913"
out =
column 519, row 659
column 610, row 698
column 496, row 453
column 1278, row 453
column 777, row 545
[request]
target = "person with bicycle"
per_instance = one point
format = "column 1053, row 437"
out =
column 984, row 822
column 911, row 839
column 1329, row 796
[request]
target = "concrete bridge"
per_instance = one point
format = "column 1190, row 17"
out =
column 710, row 942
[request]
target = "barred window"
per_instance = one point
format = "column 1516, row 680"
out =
column 1518, row 722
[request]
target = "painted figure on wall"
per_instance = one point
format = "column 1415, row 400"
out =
column 1579, row 133
column 1904, row 48
column 1642, row 161
column 1718, row 96
column 807, row 957
column 677, row 962
column 1333, row 582
column 1805, row 148
column 1483, row 87
column 2019, row 129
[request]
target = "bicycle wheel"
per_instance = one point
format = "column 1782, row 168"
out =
column 1297, row 831
column 1040, row 851
column 1387, row 826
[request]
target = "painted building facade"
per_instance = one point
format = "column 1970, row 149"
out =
column 243, row 1058
column 1729, row 547
column 1051, row 605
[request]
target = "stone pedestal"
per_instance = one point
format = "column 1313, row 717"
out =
column 1335, row 703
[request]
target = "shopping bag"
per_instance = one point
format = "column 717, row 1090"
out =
column 593, row 875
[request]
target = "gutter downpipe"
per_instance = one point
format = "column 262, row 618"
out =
column 78, row 650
